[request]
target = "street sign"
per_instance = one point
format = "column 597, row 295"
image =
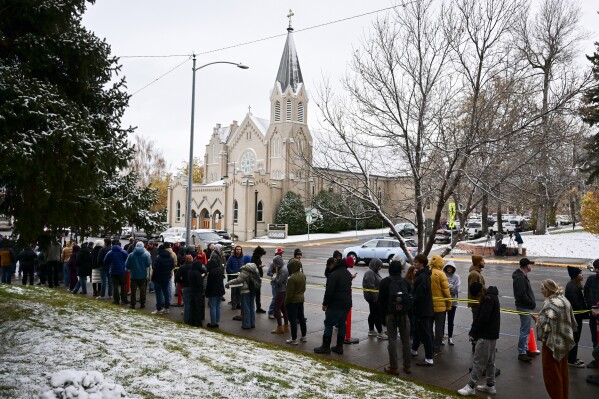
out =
column 452, row 215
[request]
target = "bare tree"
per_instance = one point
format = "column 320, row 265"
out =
column 148, row 161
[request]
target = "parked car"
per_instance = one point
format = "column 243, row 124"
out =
column 5, row 223
column 383, row 248
column 563, row 219
column 404, row 229
column 126, row 232
column 223, row 233
column 443, row 236
column 494, row 228
column 206, row 236
column 171, row 232
column 474, row 230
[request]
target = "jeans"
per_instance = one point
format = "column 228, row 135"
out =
column 214, row 304
column 258, row 299
column 373, row 317
column 6, row 275
column 119, row 292
column 398, row 324
column 271, row 307
column 439, row 331
column 524, row 331
column 296, row 315
column 450, row 319
column 186, row 293
column 424, row 333
column 281, row 309
column 105, row 282
column 163, row 299
column 248, row 310
column 139, row 284
column 81, row 283
column 43, row 272
column 66, row 273
column 484, row 359
column 335, row 317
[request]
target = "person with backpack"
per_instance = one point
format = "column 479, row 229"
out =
column 371, row 282
column 395, row 304
column 485, row 332
column 249, row 278
column 294, row 300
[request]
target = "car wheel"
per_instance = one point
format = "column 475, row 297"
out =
column 390, row 259
column 402, row 233
column 354, row 257
column 161, row 238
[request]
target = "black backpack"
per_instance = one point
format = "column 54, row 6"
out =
column 400, row 298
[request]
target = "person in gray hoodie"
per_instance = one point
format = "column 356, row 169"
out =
column 525, row 303
column 371, row 282
column 279, row 280
column 454, row 288
column 138, row 263
column 249, row 278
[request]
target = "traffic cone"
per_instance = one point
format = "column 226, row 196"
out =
column 532, row 342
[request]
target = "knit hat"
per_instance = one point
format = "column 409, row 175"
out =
column 476, row 259
column 297, row 252
column 116, row 242
column 337, row 254
column 139, row 245
column 573, row 271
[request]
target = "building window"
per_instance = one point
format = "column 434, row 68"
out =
column 235, row 211
column 300, row 112
column 178, row 210
column 276, row 147
column 277, row 111
column 260, row 212
column 213, row 152
column 288, row 111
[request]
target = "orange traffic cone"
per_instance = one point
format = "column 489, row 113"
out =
column 532, row 342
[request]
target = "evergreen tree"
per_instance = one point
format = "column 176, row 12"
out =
column 291, row 212
column 61, row 140
column 332, row 207
column 590, row 114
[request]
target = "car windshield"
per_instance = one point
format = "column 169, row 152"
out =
column 473, row 224
column 411, row 243
column 208, row 236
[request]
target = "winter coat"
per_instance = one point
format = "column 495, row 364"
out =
column 101, row 255
column 84, row 262
column 95, row 253
column 454, row 285
column 138, row 262
column 487, row 320
column 439, row 285
column 115, row 260
column 201, row 257
column 372, row 280
column 257, row 260
column 523, row 294
column 474, row 275
column 66, row 253
column 280, row 278
column 383, row 305
column 163, row 267
column 195, row 277
column 556, row 326
column 7, row 257
column 574, row 295
column 296, row 284
column 337, row 295
column 73, row 258
column 591, row 290
column 182, row 275
column 54, row 252
column 27, row 258
column 247, row 271
column 216, row 274
column 234, row 264
column 518, row 238
column 423, row 297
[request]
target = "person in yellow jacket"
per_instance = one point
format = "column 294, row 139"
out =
column 439, row 289
column 64, row 258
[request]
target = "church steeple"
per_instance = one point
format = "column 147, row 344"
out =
column 289, row 73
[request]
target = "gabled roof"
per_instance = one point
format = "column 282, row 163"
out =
column 289, row 73
column 223, row 134
column 261, row 124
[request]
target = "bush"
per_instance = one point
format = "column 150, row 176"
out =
column 291, row 212
column 590, row 212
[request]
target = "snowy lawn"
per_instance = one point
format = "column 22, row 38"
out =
column 51, row 339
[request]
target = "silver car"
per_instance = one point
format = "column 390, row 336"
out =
column 383, row 248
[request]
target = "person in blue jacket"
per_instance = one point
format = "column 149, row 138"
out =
column 115, row 261
column 138, row 262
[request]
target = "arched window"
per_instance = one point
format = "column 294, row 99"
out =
column 277, row 111
column 288, row 111
column 260, row 212
column 276, row 147
column 178, row 211
column 235, row 211
column 300, row 112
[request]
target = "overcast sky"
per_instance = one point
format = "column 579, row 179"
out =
column 162, row 111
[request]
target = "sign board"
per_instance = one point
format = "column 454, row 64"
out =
column 452, row 214
column 310, row 215
column 277, row 231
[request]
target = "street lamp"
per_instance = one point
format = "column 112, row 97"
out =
column 190, row 167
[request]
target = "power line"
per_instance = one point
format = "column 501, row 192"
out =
column 154, row 56
column 163, row 75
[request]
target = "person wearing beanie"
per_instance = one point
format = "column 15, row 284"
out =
column 294, row 300
column 279, row 279
column 297, row 254
column 276, row 261
column 215, row 289
column 423, row 310
column 234, row 264
column 256, row 259
column 475, row 275
column 439, row 289
column 525, row 303
column 575, row 296
column 397, row 321
column 115, row 261
column 371, row 282
column 454, row 288
column 591, row 296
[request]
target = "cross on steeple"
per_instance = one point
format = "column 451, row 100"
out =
column 291, row 14
column 249, row 109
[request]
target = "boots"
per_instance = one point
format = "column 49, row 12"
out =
column 339, row 347
column 326, row 346
column 278, row 330
column 286, row 328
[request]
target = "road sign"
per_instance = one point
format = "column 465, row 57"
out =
column 452, row 215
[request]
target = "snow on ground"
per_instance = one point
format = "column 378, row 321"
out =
column 49, row 337
column 560, row 244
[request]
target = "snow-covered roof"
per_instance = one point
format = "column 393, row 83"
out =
column 215, row 183
column 261, row 123
column 289, row 73
column 223, row 133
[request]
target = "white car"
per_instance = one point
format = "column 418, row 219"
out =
column 475, row 229
column 171, row 233
column 383, row 248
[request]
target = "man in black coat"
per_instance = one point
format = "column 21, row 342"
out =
column 485, row 331
column 336, row 304
column 525, row 303
column 423, row 310
column 26, row 260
